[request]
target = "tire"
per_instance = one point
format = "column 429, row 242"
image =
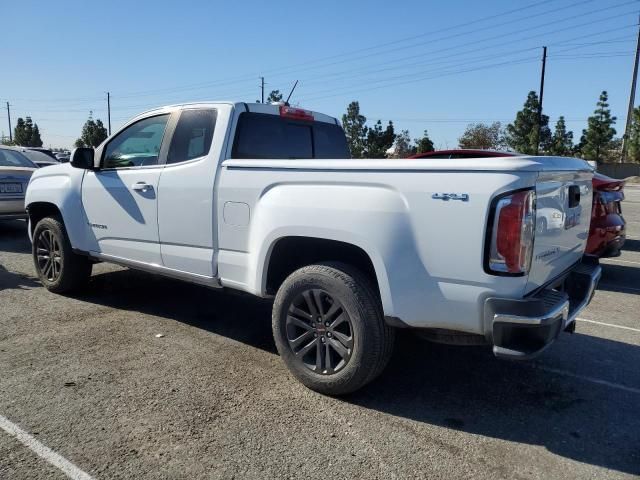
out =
column 66, row 271
column 350, row 347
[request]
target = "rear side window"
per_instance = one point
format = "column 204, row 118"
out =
column 330, row 141
column 10, row 158
column 263, row 136
column 193, row 135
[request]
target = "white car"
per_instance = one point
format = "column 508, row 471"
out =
column 265, row 199
column 550, row 215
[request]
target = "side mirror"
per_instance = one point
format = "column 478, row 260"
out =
column 82, row 158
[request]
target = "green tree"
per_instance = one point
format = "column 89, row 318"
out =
column 35, row 141
column 26, row 133
column 562, row 141
column 20, row 134
column 613, row 151
column 522, row 134
column 355, row 130
column 482, row 136
column 599, row 132
column 274, row 96
column 403, row 147
column 633, row 143
column 378, row 140
column 93, row 133
column 424, row 144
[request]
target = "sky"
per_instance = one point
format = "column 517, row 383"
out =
column 423, row 64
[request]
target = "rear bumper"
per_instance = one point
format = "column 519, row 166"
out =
column 523, row 329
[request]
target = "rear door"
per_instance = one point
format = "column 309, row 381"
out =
column 121, row 199
column 563, row 215
column 186, row 218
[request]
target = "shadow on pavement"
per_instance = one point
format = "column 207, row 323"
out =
column 620, row 278
column 14, row 236
column 466, row 389
column 9, row 280
column 229, row 313
column 461, row 388
column 631, row 245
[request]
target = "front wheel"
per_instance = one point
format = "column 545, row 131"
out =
column 59, row 269
column 329, row 328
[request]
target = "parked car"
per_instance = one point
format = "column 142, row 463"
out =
column 266, row 199
column 46, row 151
column 62, row 157
column 607, row 230
column 41, row 159
column 15, row 171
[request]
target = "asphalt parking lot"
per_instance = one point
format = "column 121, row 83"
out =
column 86, row 377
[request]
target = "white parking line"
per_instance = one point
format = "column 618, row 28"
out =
column 609, row 325
column 588, row 379
column 44, row 452
column 615, row 260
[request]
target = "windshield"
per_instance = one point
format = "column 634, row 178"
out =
column 11, row 158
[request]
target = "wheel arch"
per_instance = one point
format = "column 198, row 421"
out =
column 287, row 253
column 59, row 193
column 39, row 210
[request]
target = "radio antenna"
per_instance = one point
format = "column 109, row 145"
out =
column 291, row 92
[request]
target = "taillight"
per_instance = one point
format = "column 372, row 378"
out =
column 513, row 233
column 296, row 113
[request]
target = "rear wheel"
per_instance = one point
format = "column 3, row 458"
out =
column 59, row 269
column 329, row 328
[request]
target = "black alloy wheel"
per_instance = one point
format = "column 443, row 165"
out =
column 319, row 331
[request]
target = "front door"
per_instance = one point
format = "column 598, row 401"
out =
column 121, row 198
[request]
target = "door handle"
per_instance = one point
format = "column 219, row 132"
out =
column 141, row 186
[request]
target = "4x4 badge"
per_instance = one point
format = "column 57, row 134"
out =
column 451, row 196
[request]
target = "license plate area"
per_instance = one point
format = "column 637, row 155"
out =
column 10, row 188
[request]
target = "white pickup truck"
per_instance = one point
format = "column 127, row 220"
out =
column 265, row 199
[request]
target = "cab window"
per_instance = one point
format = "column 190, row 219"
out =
column 193, row 135
column 138, row 145
column 264, row 136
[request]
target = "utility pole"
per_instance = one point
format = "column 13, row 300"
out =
column 9, row 117
column 544, row 64
column 262, row 88
column 109, row 111
column 632, row 100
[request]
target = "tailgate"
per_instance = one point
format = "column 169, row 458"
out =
column 563, row 215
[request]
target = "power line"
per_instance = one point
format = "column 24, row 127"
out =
column 468, row 33
column 294, row 67
column 484, row 48
column 533, row 36
column 435, row 60
column 320, row 60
